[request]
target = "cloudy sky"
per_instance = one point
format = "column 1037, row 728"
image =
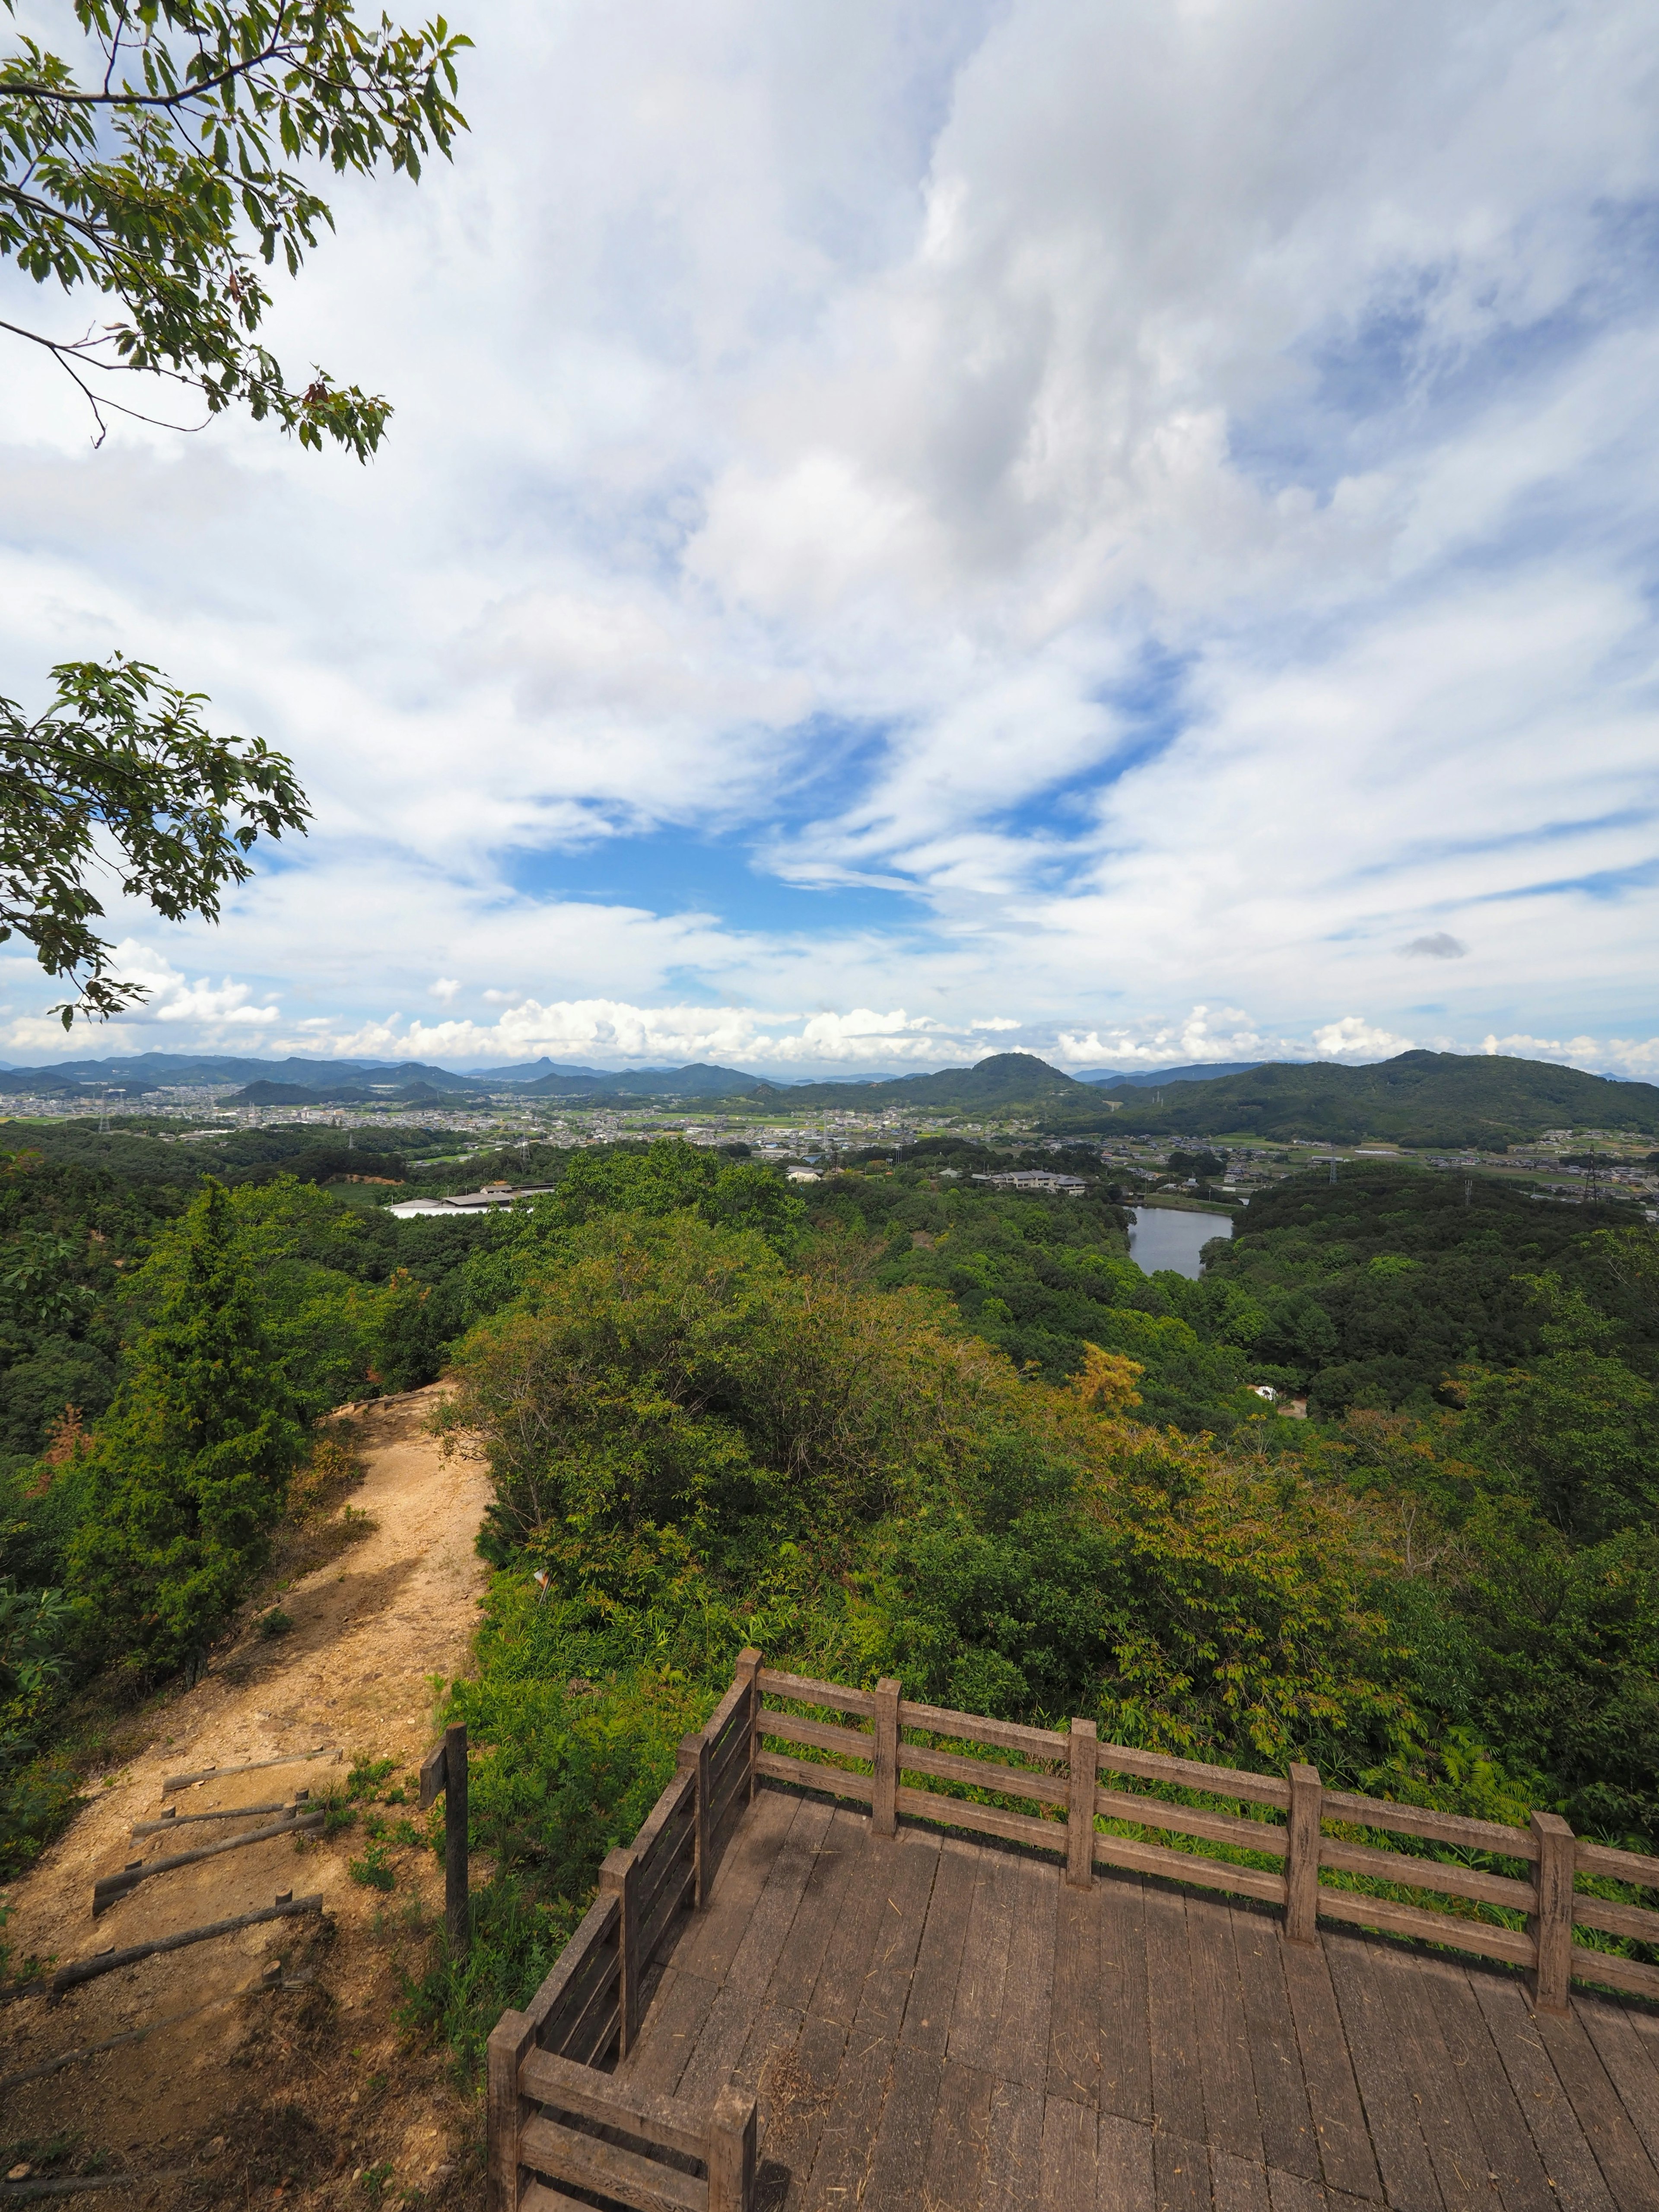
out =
column 1124, row 529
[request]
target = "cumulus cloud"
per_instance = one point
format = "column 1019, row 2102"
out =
column 1032, row 516
column 1355, row 1038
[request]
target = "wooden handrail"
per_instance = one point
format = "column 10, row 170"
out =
column 547, row 2056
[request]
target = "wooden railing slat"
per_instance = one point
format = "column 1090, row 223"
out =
column 594, row 1928
column 1439, row 1828
column 1430, row 1874
column 1188, row 1866
column 975, row 1727
column 1639, row 1922
column 984, row 1774
column 1194, row 1774
column 1629, row 1974
column 664, row 2121
column 1633, row 1867
column 611, row 2171
column 812, row 1774
column 823, row 1735
column 1463, row 1935
column 1187, row 1820
column 803, row 1690
column 990, row 1819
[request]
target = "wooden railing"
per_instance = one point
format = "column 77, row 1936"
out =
column 879, row 1764
column 554, row 2115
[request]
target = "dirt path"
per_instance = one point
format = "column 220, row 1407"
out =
column 298, row 2087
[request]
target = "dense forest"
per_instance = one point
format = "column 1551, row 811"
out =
column 895, row 1423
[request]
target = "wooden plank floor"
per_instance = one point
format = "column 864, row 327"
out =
column 941, row 2026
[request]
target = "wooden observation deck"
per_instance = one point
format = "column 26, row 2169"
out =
column 786, row 1994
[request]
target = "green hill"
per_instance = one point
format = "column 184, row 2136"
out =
column 1007, row 1082
column 1429, row 1099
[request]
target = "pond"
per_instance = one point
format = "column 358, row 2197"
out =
column 1164, row 1236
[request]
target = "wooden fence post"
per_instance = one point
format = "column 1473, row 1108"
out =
column 1551, row 1926
column 1301, row 1857
column 458, row 1910
column 511, row 2039
column 883, row 1805
column 1084, row 1751
column 730, row 2160
column 694, row 1759
column 619, row 1877
column 748, row 1663
column 443, row 1774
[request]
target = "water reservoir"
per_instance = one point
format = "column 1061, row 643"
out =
column 1163, row 1237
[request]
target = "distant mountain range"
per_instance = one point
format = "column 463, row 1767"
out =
column 1425, row 1098
column 1429, row 1099
column 1200, row 1071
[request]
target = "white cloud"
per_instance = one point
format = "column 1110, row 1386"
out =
column 1166, row 491
column 1355, row 1038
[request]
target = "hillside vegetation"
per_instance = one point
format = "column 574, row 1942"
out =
column 1433, row 1100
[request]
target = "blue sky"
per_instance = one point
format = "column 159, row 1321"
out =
column 911, row 529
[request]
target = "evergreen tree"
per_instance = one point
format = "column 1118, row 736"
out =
column 190, row 1467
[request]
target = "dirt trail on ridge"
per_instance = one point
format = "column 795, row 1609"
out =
column 296, row 2088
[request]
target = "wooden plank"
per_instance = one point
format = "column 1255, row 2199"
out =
column 814, row 1774
column 1333, row 2102
column 1563, row 2148
column 1187, row 1820
column 841, row 2168
column 1428, row 1873
column 1074, row 2020
column 1441, row 1827
column 1238, row 2184
column 1070, row 2157
column 1486, row 1942
column 975, row 1727
column 1231, row 2123
column 914, row 1862
column 1391, row 2108
column 975, row 2016
column 1182, row 2172
column 847, row 1959
column 1014, row 2163
column 1294, row 2192
column 1628, row 2065
column 594, row 1928
column 598, row 1971
column 802, row 1689
column 939, row 1960
column 1177, row 2089
column 330, row 1752
column 983, row 1774
column 1288, row 2142
column 1028, row 1988
column 838, row 1864
column 958, row 2146
column 1125, row 2034
column 109, row 1962
column 664, row 2121
column 1188, row 1867
column 564, row 2154
column 1461, row 2166
column 898, row 2156
column 795, row 2088
column 114, row 1887
column 1625, row 2166
column 731, row 2015
column 1194, row 1774
column 1511, row 2157
column 1125, row 2180
column 710, row 1943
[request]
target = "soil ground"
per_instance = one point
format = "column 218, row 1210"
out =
column 305, row 2093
